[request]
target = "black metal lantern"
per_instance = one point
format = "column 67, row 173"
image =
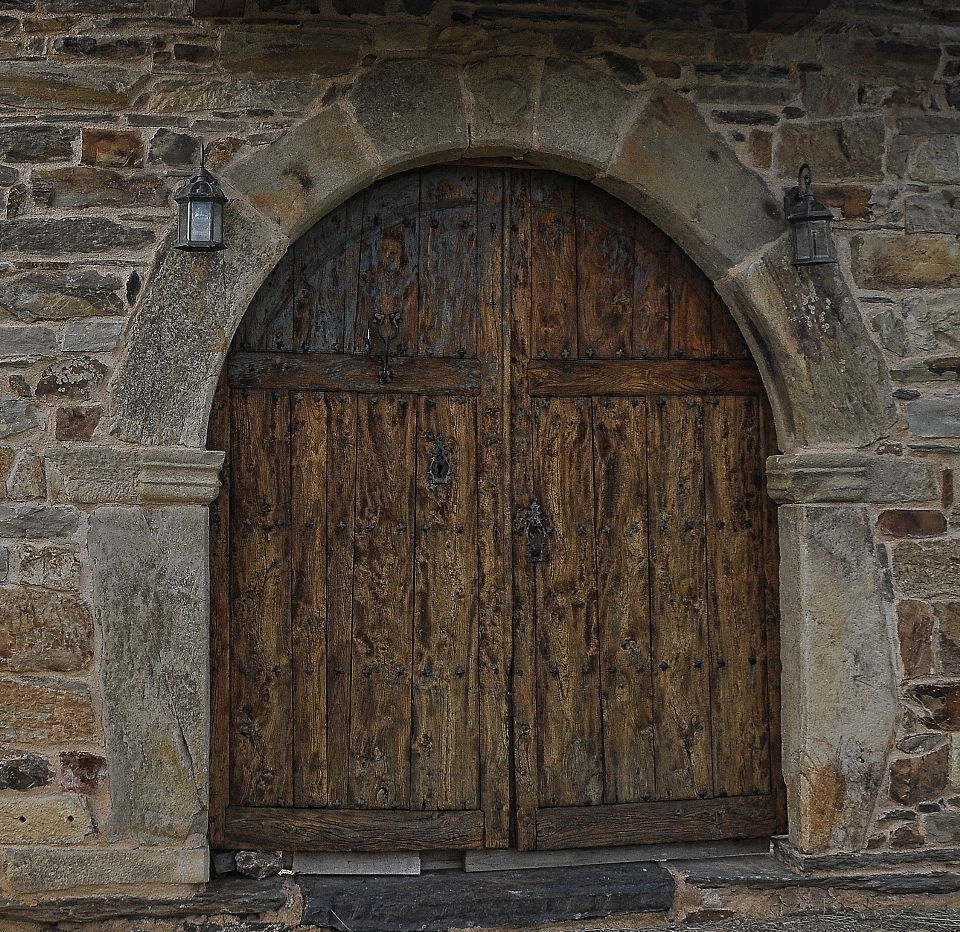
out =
column 810, row 222
column 200, row 212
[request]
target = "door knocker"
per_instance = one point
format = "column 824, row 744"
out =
column 440, row 470
column 388, row 326
column 530, row 521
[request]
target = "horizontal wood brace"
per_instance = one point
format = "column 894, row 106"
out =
column 292, row 829
column 630, row 377
column 657, row 822
column 348, row 372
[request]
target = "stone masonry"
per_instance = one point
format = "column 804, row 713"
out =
column 111, row 342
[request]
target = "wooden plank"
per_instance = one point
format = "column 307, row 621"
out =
column 651, row 291
column 569, row 730
column 642, row 377
column 656, row 822
column 736, row 601
column 445, row 743
column 268, row 321
column 308, row 510
column 218, row 438
column 352, row 830
column 519, row 256
column 691, row 294
column 389, row 260
column 727, row 340
column 554, row 267
column 326, row 267
column 623, row 608
column 261, row 738
column 678, row 599
column 494, row 539
column 605, row 267
column 340, row 518
column 382, row 604
column 345, row 372
column 448, row 261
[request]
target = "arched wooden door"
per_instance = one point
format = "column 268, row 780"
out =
column 493, row 564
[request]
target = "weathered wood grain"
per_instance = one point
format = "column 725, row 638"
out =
column 690, row 300
column 268, row 322
column 727, row 340
column 651, row 291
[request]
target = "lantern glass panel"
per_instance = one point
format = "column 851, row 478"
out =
column 201, row 222
column 217, row 223
column 812, row 242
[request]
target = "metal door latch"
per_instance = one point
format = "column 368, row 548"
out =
column 530, row 521
column 388, row 326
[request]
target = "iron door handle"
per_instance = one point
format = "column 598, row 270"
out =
column 530, row 521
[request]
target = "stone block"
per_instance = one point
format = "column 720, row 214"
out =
column 4, row 564
column 915, row 779
column 937, row 161
column 671, row 132
column 85, row 186
column 151, row 596
column 43, row 819
column 930, row 126
column 915, row 624
column 761, row 148
column 763, row 95
column 46, row 86
column 744, row 72
column 940, row 704
column 111, row 148
column 82, row 772
column 841, row 150
column 187, row 95
column 889, row 58
column 279, row 52
column 882, row 262
column 943, row 828
column 928, row 569
column 92, row 336
column 311, row 169
column 931, row 324
column 16, row 416
column 853, row 201
column 32, row 142
column 72, row 235
column 77, row 422
column 40, row 296
column 70, row 379
column 259, row 864
column 504, row 91
column 829, row 93
column 24, row 772
column 28, row 341
column 45, row 869
column 948, row 641
column 107, row 47
column 412, row 111
column 177, row 150
column 911, row 522
column 837, row 728
column 26, row 479
column 746, row 117
column 935, row 417
column 45, row 710
column 932, row 213
column 906, row 837
column 50, row 567
column 8, row 176
column 44, row 631
column 38, row 521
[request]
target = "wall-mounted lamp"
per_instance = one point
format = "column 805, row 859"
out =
column 200, row 212
column 810, row 222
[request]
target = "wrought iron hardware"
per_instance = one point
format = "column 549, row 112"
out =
column 531, row 523
column 440, row 470
column 388, row 326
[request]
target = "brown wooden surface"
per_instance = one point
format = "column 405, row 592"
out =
column 268, row 322
column 638, row 377
column 690, row 302
column 344, row 372
column 656, row 822
column 358, row 830
column 651, row 292
column 261, row 752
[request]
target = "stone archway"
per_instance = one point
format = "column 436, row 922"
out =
column 826, row 379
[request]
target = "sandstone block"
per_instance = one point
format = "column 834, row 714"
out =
column 829, row 93
column 948, row 642
column 266, row 51
column 36, row 142
column 56, row 297
column 909, row 522
column 45, row 86
column 50, row 567
column 26, row 479
column 4, row 564
column 82, row 772
column 111, row 148
column 71, row 379
column 937, row 161
column 16, row 416
column 38, row 521
column 24, row 772
column 78, row 422
column 72, row 235
column 915, row 623
column 935, row 417
column 504, row 95
column 44, row 631
column 190, row 96
column 92, row 336
column 915, row 779
column 919, row 261
column 43, row 819
column 45, row 710
column 850, row 149
column 890, row 58
column 905, row 837
column 28, row 341
column 931, row 324
column 932, row 213
column 86, row 186
column 928, row 569
column 178, row 150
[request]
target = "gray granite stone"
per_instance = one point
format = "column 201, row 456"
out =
column 928, row 569
column 28, row 341
column 71, row 235
column 39, row 296
column 38, row 521
column 151, row 596
column 504, row 91
column 58, row 87
column 92, row 336
column 30, row 142
column 935, row 417
column 16, row 416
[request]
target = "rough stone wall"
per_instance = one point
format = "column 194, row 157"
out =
column 103, row 113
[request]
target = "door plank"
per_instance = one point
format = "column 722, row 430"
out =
column 734, row 485
column 339, row 528
column 382, row 604
column 353, row 830
column 727, row 340
column 268, row 321
column 554, row 266
column 656, row 822
column 651, row 291
column 605, row 260
column 261, row 737
column 568, row 682
column 623, row 609
column 448, row 261
column 678, row 594
column 444, row 764
column 642, row 377
column 308, row 510
column 493, row 513
column 690, row 300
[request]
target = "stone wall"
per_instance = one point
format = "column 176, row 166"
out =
column 110, row 343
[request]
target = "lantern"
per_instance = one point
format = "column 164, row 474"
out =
column 810, row 222
column 200, row 212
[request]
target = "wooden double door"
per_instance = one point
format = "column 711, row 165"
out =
column 493, row 564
